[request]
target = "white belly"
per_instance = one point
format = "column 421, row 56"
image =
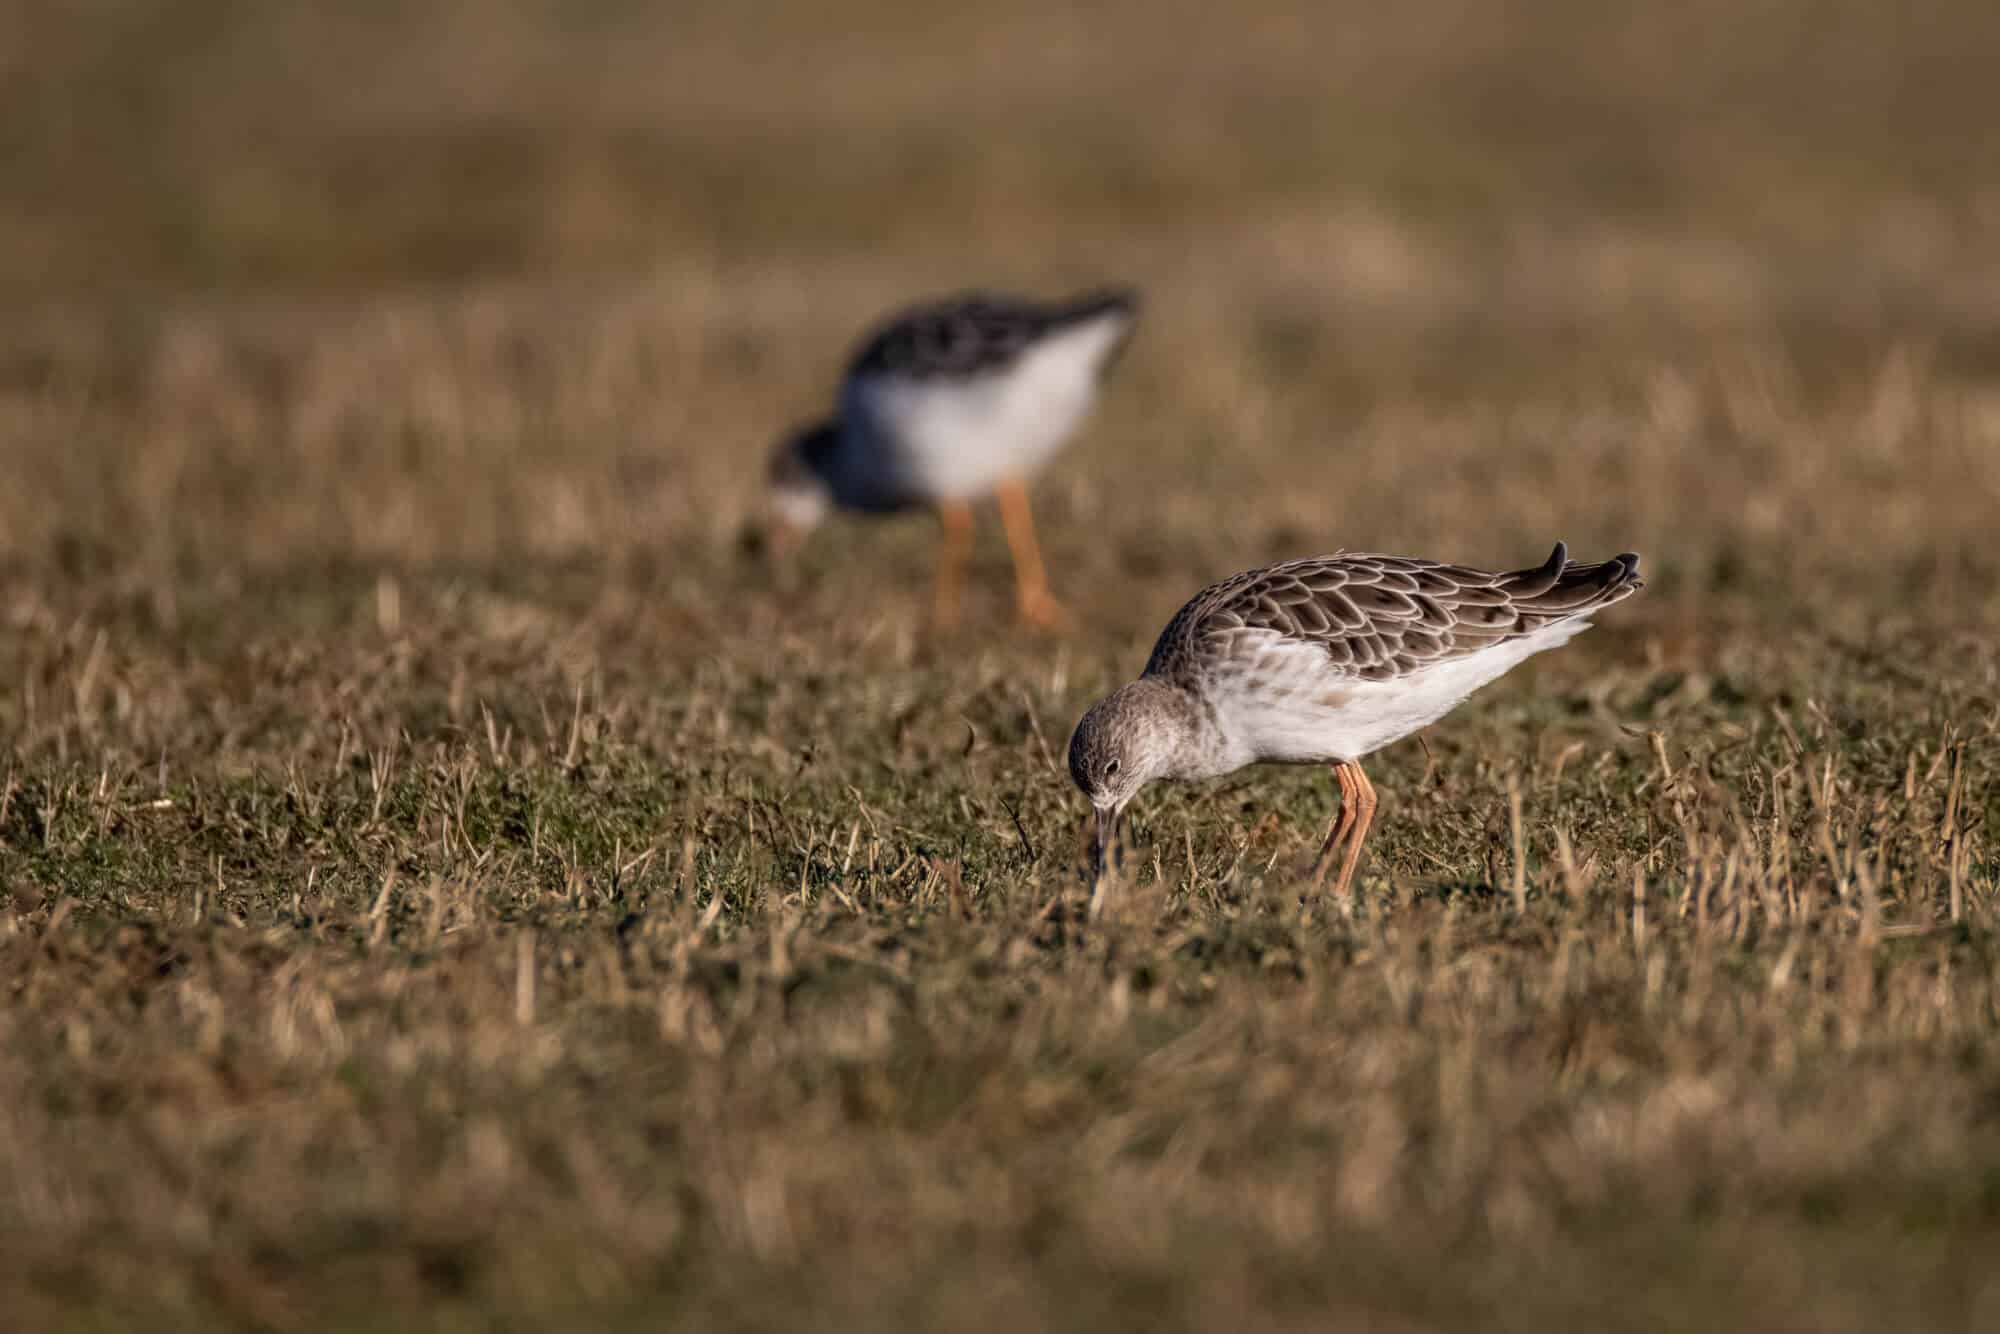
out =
column 955, row 438
column 1277, row 702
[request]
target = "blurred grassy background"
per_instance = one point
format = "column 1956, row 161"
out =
column 217, row 144
column 329, row 262
column 445, row 884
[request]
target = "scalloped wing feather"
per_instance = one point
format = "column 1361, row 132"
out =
column 1380, row 618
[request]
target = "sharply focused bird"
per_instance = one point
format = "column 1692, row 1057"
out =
column 1321, row 661
column 943, row 404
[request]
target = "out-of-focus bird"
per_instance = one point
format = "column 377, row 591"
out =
column 944, row 404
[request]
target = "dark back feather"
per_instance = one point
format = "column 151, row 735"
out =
column 976, row 332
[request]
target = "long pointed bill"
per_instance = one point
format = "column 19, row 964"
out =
column 1103, row 854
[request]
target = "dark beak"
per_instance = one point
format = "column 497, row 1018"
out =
column 1105, row 854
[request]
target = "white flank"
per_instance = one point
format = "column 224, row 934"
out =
column 947, row 437
column 1277, row 702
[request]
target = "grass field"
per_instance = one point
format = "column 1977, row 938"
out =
column 447, row 883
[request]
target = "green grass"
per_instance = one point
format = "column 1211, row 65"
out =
column 446, row 882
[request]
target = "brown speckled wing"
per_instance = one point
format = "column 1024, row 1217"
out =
column 1383, row 617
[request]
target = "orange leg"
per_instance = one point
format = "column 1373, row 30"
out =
column 1037, row 605
column 1343, row 821
column 954, row 549
column 1364, row 792
column 1357, row 812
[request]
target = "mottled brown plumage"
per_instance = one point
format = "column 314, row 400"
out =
column 1382, row 617
column 1324, row 660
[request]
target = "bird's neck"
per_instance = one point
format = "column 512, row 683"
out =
column 1181, row 715
column 857, row 470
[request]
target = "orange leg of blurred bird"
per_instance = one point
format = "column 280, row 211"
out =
column 954, row 550
column 1037, row 605
column 1357, row 812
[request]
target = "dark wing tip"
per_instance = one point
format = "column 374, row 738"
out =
column 1562, row 585
column 1606, row 581
column 1628, row 567
column 1538, row 580
column 1620, row 570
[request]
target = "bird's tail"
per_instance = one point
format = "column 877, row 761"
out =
column 1100, row 321
column 1560, row 587
column 1089, row 307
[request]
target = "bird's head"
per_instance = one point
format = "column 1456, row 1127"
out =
column 1125, row 741
column 796, row 493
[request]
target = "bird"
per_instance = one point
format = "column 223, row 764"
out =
column 1324, row 660
column 943, row 404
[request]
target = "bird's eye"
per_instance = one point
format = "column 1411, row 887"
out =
column 1110, row 768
